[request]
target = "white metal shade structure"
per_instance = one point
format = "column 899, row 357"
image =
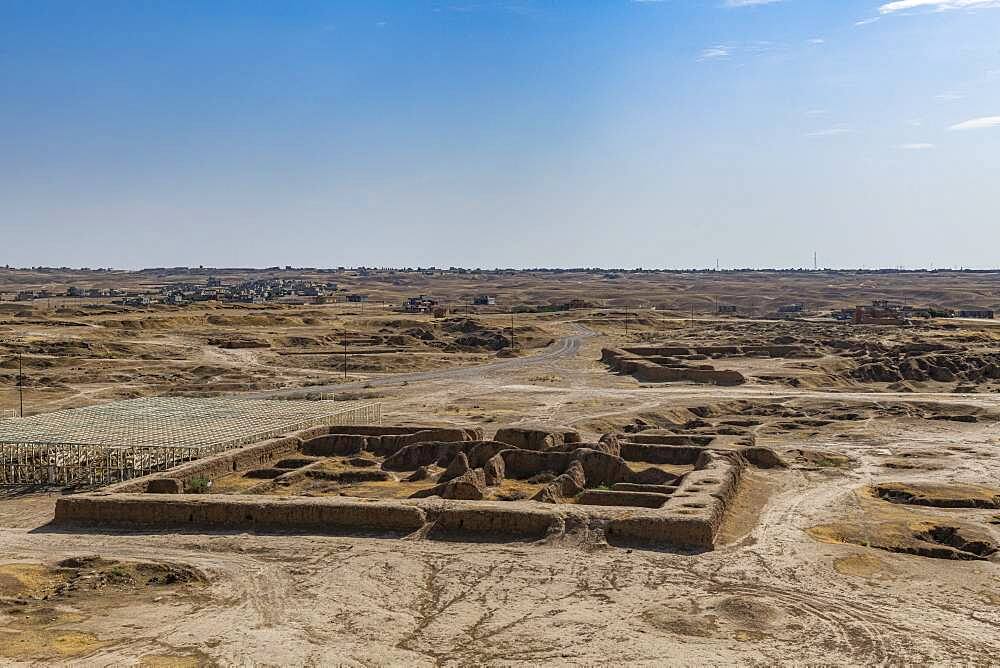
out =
column 126, row 439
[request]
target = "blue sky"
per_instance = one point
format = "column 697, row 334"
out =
column 671, row 133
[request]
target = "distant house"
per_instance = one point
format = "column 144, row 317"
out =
column 357, row 299
column 248, row 297
column 421, row 304
column 727, row 308
column 985, row 314
column 484, row 300
column 791, row 308
column 879, row 313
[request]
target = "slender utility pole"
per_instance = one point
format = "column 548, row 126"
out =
column 345, row 354
column 20, row 384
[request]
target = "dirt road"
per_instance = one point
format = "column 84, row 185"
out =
column 566, row 346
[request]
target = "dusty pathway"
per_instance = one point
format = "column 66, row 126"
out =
column 564, row 347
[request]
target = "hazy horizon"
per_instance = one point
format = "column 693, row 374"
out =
column 550, row 268
column 507, row 133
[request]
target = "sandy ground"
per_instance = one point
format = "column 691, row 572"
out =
column 770, row 593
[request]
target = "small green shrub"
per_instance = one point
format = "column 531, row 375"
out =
column 198, row 485
column 827, row 462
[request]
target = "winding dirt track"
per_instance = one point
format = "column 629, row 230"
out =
column 566, row 346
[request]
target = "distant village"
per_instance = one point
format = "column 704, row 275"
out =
column 245, row 292
column 259, row 291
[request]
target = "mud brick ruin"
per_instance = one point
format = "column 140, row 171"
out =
column 655, row 488
column 665, row 364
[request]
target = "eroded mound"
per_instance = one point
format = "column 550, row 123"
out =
column 892, row 526
column 955, row 540
column 43, row 609
column 939, row 495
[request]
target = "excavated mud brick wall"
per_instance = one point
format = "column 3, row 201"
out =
column 693, row 514
column 210, row 468
column 631, row 513
column 647, row 370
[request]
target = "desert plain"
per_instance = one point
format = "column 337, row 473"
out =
column 872, row 536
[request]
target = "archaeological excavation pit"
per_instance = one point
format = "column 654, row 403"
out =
column 655, row 488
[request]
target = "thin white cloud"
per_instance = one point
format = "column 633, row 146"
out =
column 816, row 40
column 866, row 22
column 949, row 96
column 916, row 147
column 978, row 123
column 830, row 132
column 937, row 5
column 715, row 52
column 752, row 48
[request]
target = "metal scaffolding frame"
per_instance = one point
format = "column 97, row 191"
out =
column 126, row 439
